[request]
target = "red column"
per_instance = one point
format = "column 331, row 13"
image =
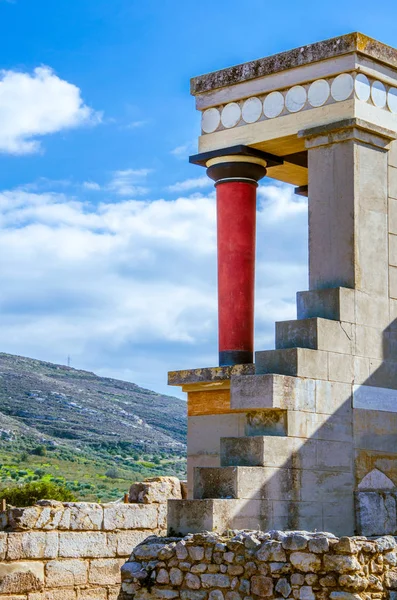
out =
column 236, row 182
column 236, row 219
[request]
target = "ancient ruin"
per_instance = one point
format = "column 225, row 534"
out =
column 304, row 436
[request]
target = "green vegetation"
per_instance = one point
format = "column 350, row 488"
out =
column 97, row 474
column 30, row 493
column 91, row 435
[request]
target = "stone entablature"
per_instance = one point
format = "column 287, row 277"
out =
column 253, row 565
column 305, row 96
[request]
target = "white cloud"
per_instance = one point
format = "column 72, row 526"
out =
column 182, row 152
column 138, row 124
column 128, row 182
column 191, row 184
column 37, row 104
column 91, row 185
column 128, row 288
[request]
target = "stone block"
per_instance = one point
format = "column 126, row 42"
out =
column 383, row 374
column 23, row 518
column 393, row 182
column 316, row 334
column 392, row 216
column 373, row 257
column 393, row 282
column 189, row 516
column 375, row 430
column 204, row 432
column 21, row 577
column 333, row 398
column 66, row 594
column 199, row 460
column 392, row 154
column 94, row 544
column 340, row 367
column 3, row 545
column 93, row 594
column 266, row 422
column 322, row 485
column 393, row 250
column 105, row 571
column 334, row 303
column 32, row 544
column 268, row 451
column 84, row 516
column 296, row 362
column 320, row 427
column 335, row 456
column 371, row 310
column 369, row 342
column 260, row 483
column 361, row 370
column 64, row 573
column 155, row 490
column 130, row 516
column 272, row 391
column 376, row 513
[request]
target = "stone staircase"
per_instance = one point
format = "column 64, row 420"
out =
column 293, row 468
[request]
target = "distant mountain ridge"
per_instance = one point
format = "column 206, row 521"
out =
column 61, row 405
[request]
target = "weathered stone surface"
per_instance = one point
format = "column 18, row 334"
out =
column 105, row 571
column 305, row 562
column 3, row 545
column 130, row 516
column 262, row 586
column 283, row 587
column 33, row 544
column 93, row 544
column 156, row 489
column 271, row 551
column 84, row 516
column 210, row 580
column 21, row 577
column 341, row 563
column 63, row 573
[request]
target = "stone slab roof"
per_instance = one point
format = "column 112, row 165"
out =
column 345, row 44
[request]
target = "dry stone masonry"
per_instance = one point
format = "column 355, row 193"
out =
column 254, row 565
column 75, row 550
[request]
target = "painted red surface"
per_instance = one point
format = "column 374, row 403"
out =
column 236, row 220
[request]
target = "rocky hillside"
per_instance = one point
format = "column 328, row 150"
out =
column 62, row 422
column 56, row 402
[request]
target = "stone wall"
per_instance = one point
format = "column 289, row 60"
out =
column 74, row 550
column 253, row 565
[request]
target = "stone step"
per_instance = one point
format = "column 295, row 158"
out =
column 273, row 391
column 316, row 334
column 258, row 451
column 296, row 362
column 260, row 483
column 195, row 516
column 332, row 303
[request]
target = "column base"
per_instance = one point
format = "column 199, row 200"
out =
column 235, row 357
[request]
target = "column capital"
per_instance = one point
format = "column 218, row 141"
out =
column 236, row 163
column 345, row 130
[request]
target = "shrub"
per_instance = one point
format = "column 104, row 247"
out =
column 30, row 493
column 112, row 473
column 39, row 451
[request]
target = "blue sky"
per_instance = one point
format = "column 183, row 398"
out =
column 106, row 232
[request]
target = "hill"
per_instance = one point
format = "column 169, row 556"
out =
column 93, row 433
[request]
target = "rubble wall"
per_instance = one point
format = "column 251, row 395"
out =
column 254, row 565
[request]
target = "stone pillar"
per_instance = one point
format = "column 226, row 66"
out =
column 236, row 180
column 348, row 206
